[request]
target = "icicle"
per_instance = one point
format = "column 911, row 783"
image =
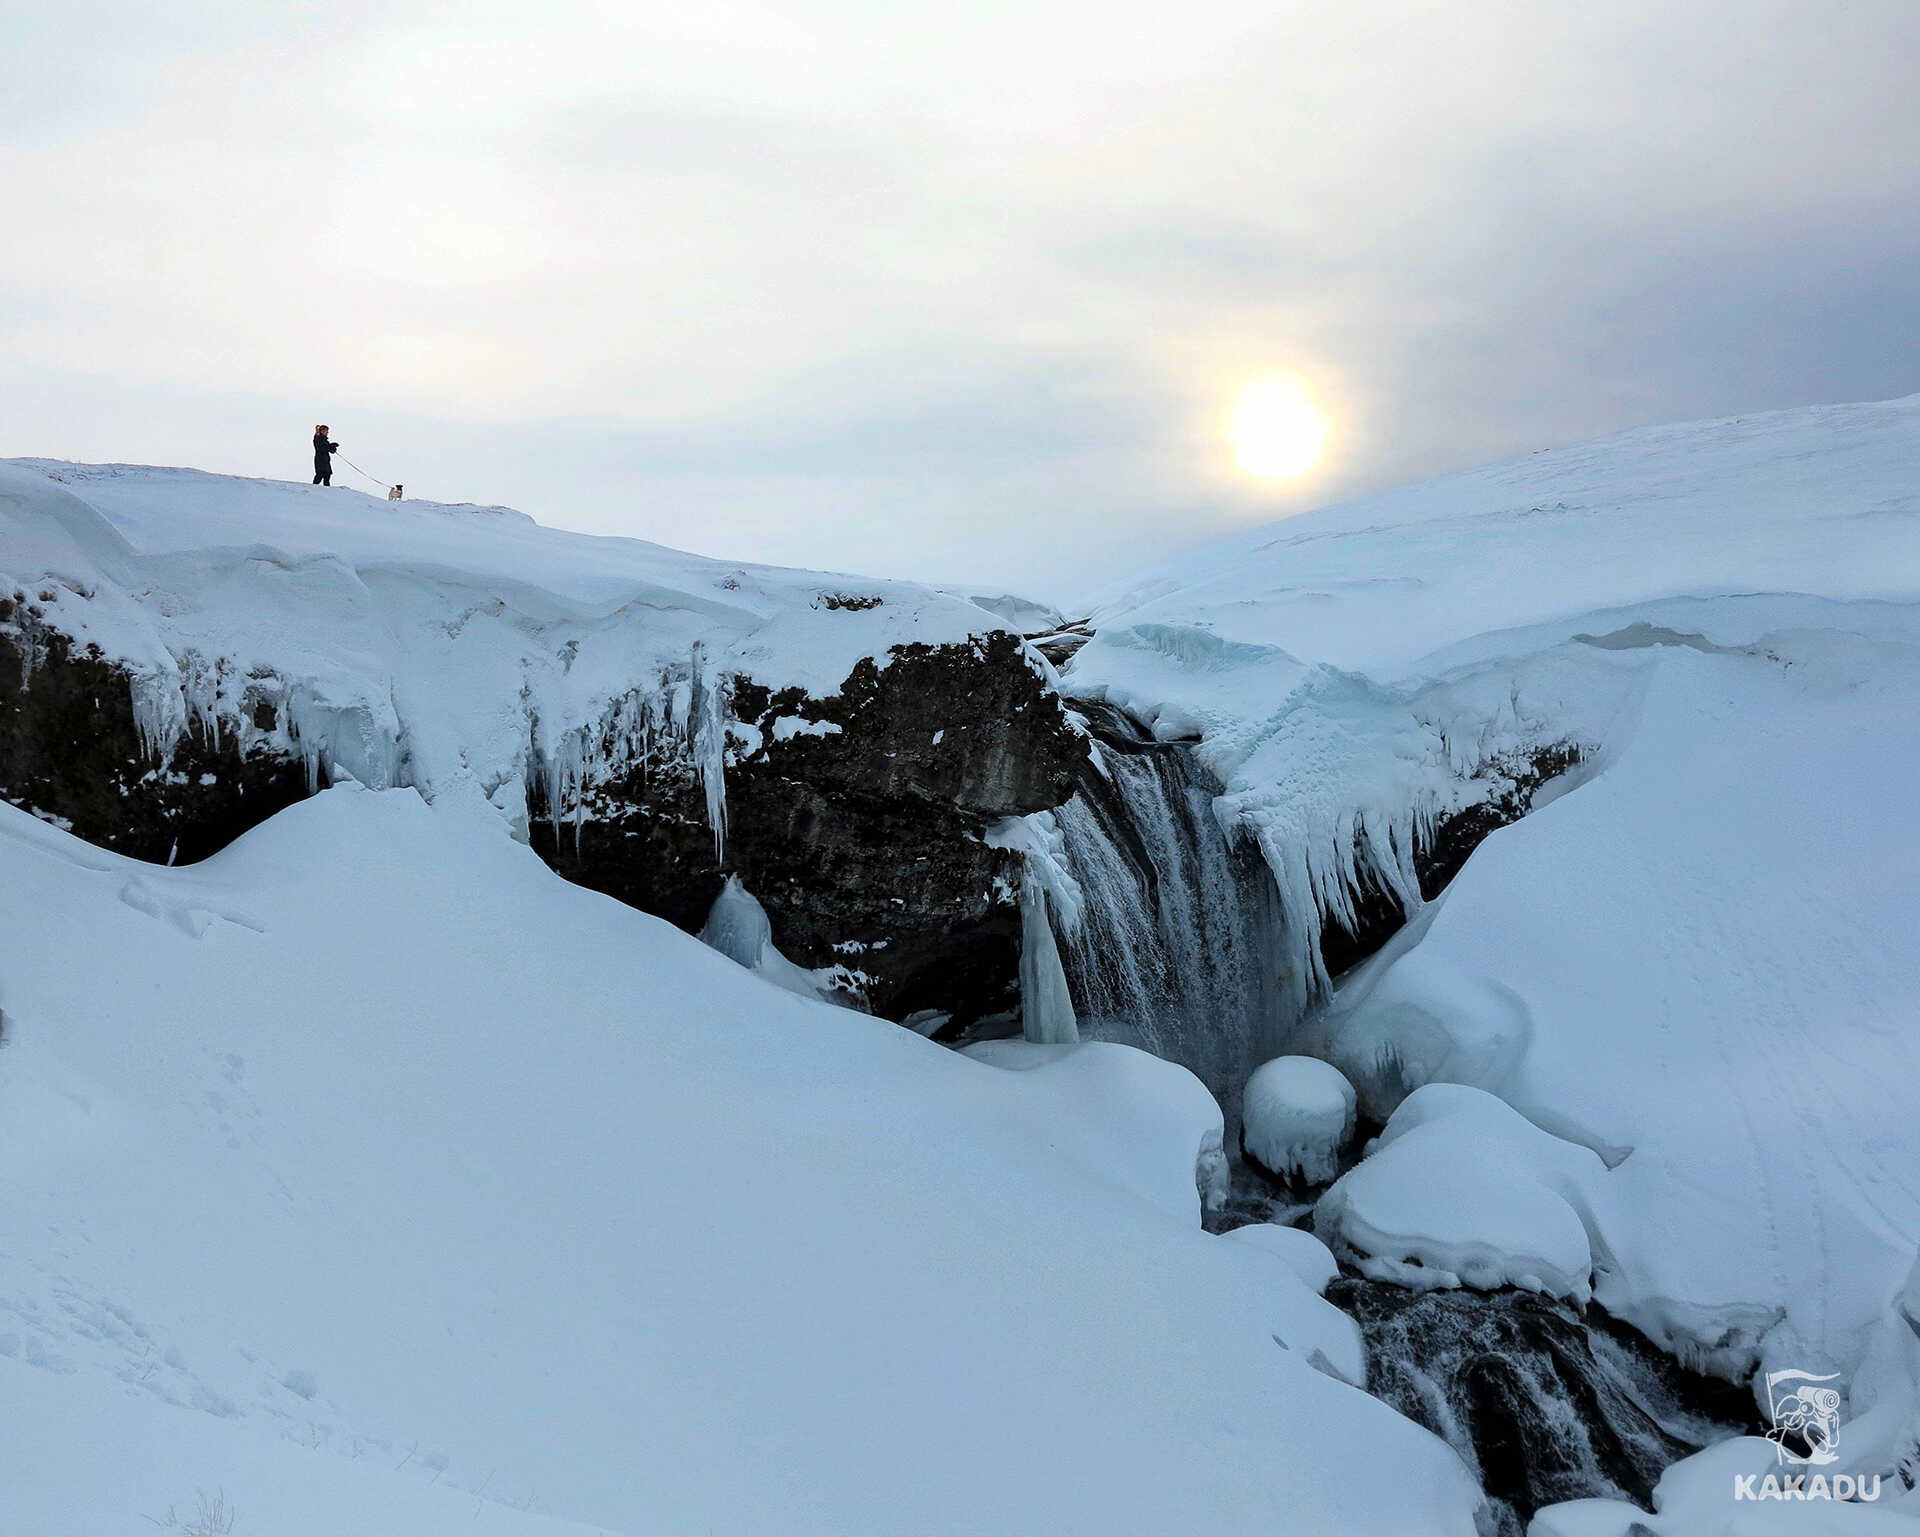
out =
column 159, row 715
column 1046, row 1007
column 707, row 736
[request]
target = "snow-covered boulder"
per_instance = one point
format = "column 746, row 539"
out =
column 1297, row 1116
column 1305, row 1255
column 1697, row 1498
column 1425, row 1021
column 1460, row 1190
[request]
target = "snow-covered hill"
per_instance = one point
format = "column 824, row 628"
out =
column 369, row 1161
column 1697, row 957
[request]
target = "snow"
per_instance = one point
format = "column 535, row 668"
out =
column 1297, row 1115
column 1696, row 1498
column 429, row 645
column 1159, row 1108
column 1696, row 958
column 1701, row 963
column 1459, row 1189
column 373, row 1177
column 1308, row 1257
column 1818, row 500
column 1029, row 616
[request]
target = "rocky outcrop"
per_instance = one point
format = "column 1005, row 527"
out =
column 72, row 753
column 856, row 819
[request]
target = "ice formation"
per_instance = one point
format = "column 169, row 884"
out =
column 1297, row 1115
column 1046, row 1007
column 738, row 927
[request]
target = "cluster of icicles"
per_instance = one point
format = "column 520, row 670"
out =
column 681, row 718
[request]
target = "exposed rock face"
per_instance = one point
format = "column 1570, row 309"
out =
column 72, row 753
column 855, row 819
column 1542, row 1403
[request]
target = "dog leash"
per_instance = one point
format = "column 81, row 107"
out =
column 352, row 466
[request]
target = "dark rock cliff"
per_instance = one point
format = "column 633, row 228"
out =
column 72, row 753
column 856, row 818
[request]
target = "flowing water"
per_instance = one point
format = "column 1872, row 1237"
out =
column 1176, row 945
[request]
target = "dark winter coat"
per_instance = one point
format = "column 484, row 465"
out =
column 322, row 455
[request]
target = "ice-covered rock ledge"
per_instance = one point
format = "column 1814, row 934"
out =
column 182, row 654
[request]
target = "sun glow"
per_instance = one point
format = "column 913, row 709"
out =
column 1277, row 430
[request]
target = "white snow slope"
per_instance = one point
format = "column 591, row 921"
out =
column 376, row 1179
column 1702, row 960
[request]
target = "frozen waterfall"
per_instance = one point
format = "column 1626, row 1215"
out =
column 1175, row 943
column 1046, row 1002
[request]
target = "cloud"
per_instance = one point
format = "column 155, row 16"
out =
column 948, row 290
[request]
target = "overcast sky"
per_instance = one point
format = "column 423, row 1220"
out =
column 956, row 290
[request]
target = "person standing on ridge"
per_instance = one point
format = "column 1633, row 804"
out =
column 323, row 452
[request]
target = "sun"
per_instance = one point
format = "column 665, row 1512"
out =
column 1278, row 432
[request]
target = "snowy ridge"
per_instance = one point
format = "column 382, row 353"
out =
column 417, row 644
